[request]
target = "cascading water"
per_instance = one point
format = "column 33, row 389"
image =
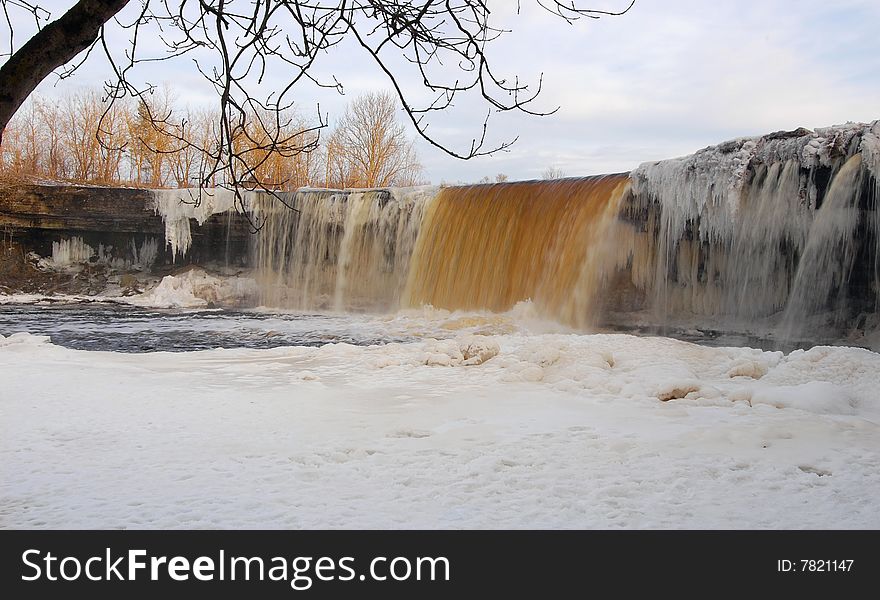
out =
column 777, row 233
column 336, row 250
column 826, row 262
column 491, row 246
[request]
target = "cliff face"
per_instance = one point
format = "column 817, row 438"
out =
column 118, row 220
column 78, row 240
column 77, row 208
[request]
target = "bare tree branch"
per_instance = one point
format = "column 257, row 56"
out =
column 234, row 44
column 52, row 46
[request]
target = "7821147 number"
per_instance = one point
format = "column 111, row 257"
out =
column 805, row 565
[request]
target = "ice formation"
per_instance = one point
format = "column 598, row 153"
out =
column 713, row 183
column 195, row 288
column 73, row 251
column 756, row 226
column 177, row 207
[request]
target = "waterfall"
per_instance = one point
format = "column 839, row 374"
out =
column 491, row 246
column 826, row 261
column 778, row 233
column 336, row 250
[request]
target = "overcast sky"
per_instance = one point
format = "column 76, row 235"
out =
column 667, row 78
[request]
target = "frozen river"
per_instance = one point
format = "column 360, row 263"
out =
column 422, row 419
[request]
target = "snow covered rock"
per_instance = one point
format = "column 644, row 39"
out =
column 466, row 351
column 477, row 349
column 197, row 289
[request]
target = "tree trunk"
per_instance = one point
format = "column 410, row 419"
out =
column 57, row 43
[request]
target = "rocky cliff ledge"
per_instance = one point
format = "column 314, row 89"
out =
column 44, row 228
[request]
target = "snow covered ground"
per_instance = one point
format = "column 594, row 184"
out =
column 509, row 430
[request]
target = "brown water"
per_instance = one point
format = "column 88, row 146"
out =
column 491, row 246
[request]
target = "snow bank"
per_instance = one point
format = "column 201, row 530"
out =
column 819, row 397
column 59, row 298
column 506, row 431
column 22, row 341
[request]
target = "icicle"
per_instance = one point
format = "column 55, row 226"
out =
column 733, row 226
column 71, row 251
column 177, row 207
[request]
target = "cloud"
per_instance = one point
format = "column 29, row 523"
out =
column 672, row 77
column 669, row 77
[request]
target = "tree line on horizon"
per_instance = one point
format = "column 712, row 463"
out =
column 154, row 142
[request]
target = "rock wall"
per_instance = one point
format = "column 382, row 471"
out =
column 117, row 220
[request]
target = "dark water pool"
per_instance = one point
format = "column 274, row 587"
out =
column 125, row 328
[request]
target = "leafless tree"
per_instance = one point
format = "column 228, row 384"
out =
column 22, row 144
column 234, row 43
column 196, row 127
column 371, row 145
column 270, row 167
column 54, row 138
column 81, row 115
column 155, row 136
column 54, row 165
column 552, row 173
